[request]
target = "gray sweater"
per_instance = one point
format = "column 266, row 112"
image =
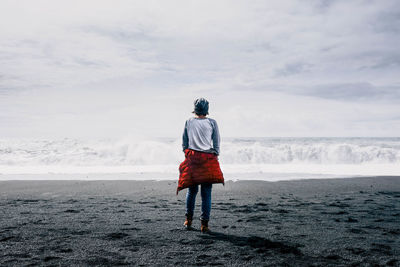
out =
column 201, row 135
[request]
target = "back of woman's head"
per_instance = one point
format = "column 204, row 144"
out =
column 201, row 107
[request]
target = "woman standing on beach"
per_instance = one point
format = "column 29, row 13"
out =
column 200, row 167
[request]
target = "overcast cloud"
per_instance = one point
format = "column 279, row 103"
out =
column 133, row 68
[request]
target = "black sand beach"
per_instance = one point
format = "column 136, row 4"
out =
column 334, row 222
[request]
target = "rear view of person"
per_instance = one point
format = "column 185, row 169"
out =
column 200, row 143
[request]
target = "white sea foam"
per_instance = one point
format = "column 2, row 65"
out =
column 266, row 157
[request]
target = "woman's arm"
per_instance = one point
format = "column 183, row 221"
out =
column 215, row 137
column 185, row 138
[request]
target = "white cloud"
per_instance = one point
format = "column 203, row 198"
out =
column 83, row 65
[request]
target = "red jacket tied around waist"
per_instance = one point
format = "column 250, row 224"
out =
column 197, row 168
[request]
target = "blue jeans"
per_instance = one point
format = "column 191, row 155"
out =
column 205, row 200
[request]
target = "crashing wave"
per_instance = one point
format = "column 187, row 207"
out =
column 72, row 152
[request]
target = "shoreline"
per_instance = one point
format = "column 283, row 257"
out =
column 149, row 176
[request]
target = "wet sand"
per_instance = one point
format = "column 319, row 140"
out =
column 334, row 222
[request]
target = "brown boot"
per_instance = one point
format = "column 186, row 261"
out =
column 188, row 222
column 204, row 226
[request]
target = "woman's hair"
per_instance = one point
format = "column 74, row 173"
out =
column 201, row 107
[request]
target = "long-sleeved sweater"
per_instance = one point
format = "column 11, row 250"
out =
column 201, row 134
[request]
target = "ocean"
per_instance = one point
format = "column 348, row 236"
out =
column 269, row 159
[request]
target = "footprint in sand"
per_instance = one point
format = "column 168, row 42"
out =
column 115, row 236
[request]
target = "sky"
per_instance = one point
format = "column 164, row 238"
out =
column 133, row 68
